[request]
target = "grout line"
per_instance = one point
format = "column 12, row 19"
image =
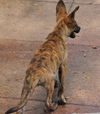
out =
column 39, row 100
column 80, row 3
column 96, row 106
column 85, row 28
column 71, row 6
column 21, row 40
column 16, row 98
column 40, row 42
column 50, row 1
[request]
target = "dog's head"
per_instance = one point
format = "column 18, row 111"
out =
column 69, row 19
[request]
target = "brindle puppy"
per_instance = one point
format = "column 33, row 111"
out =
column 48, row 66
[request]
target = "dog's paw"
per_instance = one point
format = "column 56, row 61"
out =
column 62, row 101
column 20, row 112
column 51, row 108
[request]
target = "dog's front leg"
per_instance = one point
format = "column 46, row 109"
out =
column 62, row 73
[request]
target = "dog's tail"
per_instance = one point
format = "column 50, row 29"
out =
column 24, row 97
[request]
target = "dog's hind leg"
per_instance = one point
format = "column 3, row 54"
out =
column 28, row 86
column 50, row 105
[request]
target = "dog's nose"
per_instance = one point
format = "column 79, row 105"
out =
column 77, row 29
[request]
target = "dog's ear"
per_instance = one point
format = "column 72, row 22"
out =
column 72, row 14
column 60, row 10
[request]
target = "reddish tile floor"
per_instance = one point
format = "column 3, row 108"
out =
column 21, row 23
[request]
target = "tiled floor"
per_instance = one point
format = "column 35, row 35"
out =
column 23, row 27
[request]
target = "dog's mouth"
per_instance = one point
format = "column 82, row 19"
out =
column 72, row 35
column 77, row 30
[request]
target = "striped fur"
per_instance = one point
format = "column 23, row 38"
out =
column 49, row 64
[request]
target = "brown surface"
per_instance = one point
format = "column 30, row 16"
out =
column 23, row 25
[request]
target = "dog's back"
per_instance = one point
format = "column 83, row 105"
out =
column 49, row 56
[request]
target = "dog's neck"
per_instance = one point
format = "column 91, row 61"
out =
column 62, row 30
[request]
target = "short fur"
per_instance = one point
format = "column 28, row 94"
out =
column 49, row 64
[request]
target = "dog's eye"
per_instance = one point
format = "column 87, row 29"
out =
column 69, row 24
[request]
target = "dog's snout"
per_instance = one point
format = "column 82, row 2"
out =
column 77, row 29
